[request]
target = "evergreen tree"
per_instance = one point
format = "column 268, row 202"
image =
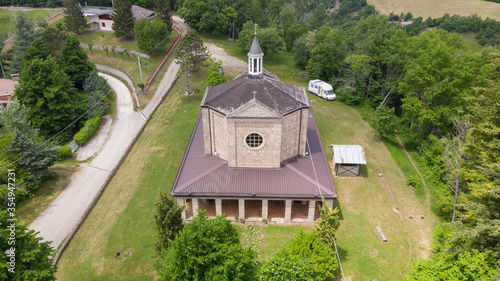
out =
column 162, row 9
column 327, row 224
column 32, row 256
column 123, row 19
column 37, row 50
column 75, row 62
column 168, row 220
column 25, row 34
column 73, row 16
column 191, row 51
column 49, row 93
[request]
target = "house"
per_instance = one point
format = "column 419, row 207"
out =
column 7, row 87
column 255, row 152
column 347, row 159
column 101, row 18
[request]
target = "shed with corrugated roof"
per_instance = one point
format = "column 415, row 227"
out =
column 347, row 159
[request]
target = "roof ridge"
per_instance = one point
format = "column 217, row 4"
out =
column 200, row 176
column 307, row 178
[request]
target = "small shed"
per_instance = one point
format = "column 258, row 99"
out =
column 347, row 159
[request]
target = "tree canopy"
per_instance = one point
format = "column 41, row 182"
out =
column 123, row 19
column 73, row 16
column 150, row 34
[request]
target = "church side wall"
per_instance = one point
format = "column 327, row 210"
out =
column 219, row 135
column 290, row 136
column 303, row 132
column 205, row 117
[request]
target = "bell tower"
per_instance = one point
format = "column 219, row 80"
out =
column 255, row 58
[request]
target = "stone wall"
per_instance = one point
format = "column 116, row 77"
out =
column 268, row 154
column 290, row 136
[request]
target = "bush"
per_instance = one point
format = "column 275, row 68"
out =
column 65, row 152
column 348, row 97
column 414, row 181
column 88, row 130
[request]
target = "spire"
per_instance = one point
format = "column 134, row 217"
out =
column 255, row 57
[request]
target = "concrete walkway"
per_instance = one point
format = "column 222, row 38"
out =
column 57, row 221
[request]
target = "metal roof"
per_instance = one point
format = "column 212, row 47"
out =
column 278, row 97
column 298, row 177
column 7, row 87
column 255, row 49
column 348, row 154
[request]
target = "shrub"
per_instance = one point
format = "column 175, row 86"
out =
column 65, row 152
column 414, row 181
column 88, row 130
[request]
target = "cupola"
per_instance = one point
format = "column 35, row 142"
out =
column 255, row 59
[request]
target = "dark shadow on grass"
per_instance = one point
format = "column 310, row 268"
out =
column 336, row 204
column 343, row 253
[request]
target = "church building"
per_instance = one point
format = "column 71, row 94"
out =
column 255, row 152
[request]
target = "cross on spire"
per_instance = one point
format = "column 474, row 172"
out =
column 254, row 92
column 255, row 24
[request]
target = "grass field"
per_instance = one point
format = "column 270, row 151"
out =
column 437, row 8
column 7, row 21
column 128, row 65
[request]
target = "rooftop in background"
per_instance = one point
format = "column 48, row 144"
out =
column 278, row 97
column 7, row 87
column 141, row 13
column 96, row 11
column 348, row 154
column 298, row 177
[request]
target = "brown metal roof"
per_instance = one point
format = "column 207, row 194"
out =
column 298, row 177
column 279, row 97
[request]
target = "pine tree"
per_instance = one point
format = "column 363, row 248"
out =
column 123, row 19
column 25, row 34
column 191, row 51
column 73, row 16
column 168, row 220
column 162, row 9
column 327, row 224
column 75, row 62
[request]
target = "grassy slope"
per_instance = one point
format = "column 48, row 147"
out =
column 33, row 15
column 123, row 218
column 437, row 8
column 128, row 65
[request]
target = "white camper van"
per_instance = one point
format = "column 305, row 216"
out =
column 321, row 89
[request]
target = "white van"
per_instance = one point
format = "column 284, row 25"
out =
column 322, row 89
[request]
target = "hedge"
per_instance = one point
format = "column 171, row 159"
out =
column 88, row 131
column 65, row 152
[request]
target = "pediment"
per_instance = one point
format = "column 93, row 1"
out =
column 254, row 110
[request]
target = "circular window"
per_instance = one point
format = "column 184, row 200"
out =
column 254, row 140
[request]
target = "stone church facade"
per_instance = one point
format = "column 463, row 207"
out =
column 255, row 152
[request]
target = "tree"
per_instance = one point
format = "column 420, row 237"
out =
column 470, row 266
column 319, row 17
column 47, row 90
column 269, row 38
column 214, row 75
column 37, row 50
column 32, row 256
column 168, row 220
column 384, row 121
column 191, row 51
column 302, row 48
column 74, row 61
column 73, row 16
column 327, row 224
column 25, row 34
column 123, row 19
column 149, row 34
column 206, row 249
column 98, row 92
column 163, row 12
column 284, row 266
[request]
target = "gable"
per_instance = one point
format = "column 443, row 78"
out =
column 254, row 110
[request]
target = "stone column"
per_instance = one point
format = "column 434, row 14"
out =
column 182, row 202
column 288, row 210
column 218, row 207
column 312, row 208
column 264, row 209
column 241, row 207
column 195, row 207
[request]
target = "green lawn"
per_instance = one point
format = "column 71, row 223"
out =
column 437, row 8
column 7, row 21
column 127, row 64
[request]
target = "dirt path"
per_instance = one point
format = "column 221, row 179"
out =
column 232, row 66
